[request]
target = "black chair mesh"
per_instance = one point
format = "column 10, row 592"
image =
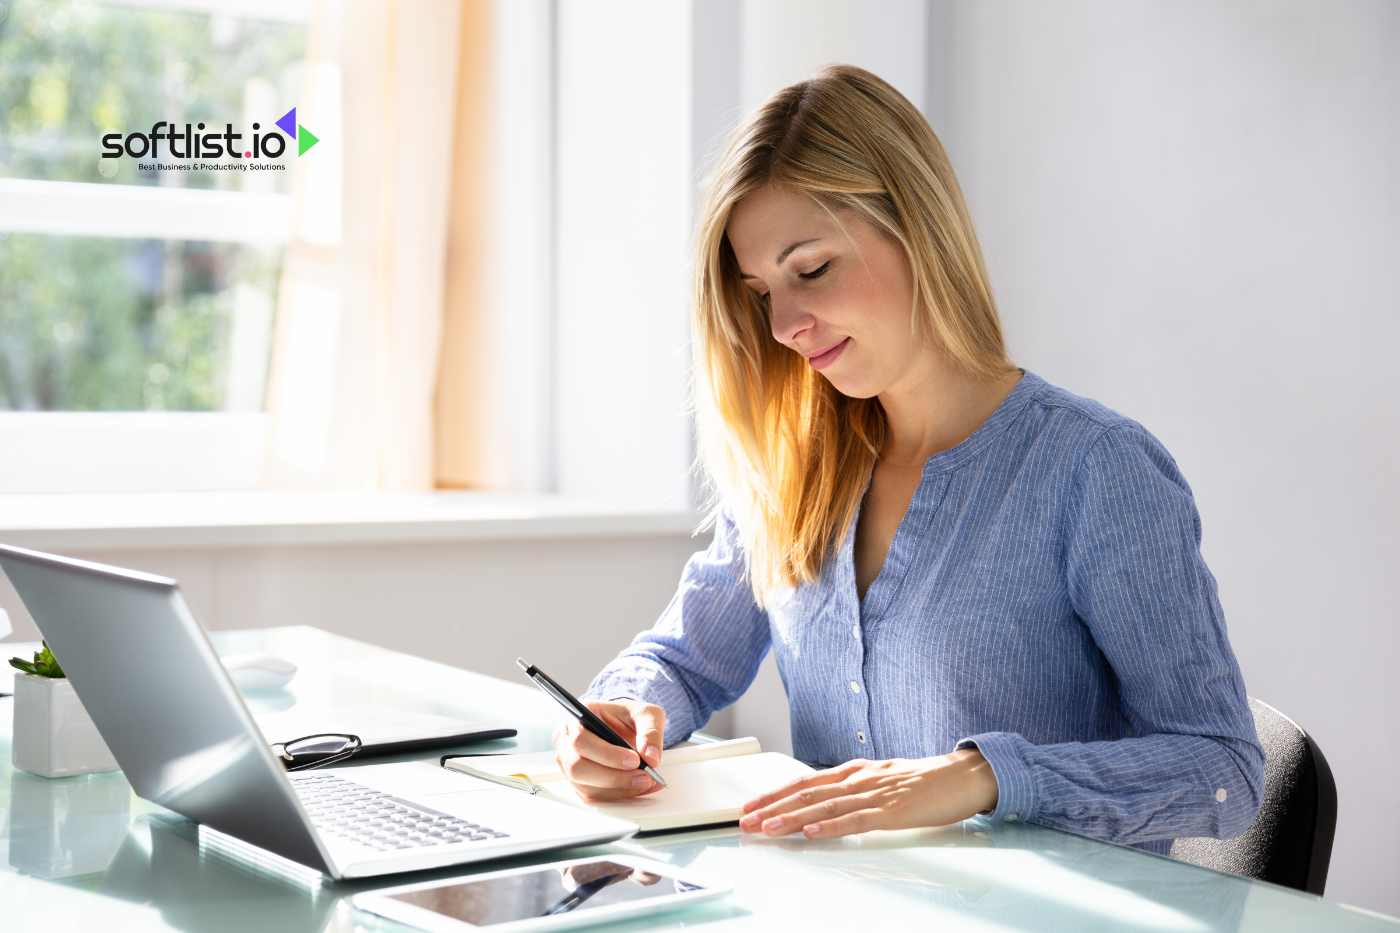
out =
column 1290, row 841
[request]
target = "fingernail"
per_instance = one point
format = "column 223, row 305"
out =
column 641, row 780
column 749, row 822
column 810, row 831
column 774, row 825
column 652, row 753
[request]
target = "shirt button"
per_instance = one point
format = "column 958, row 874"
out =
column 860, row 737
column 1220, row 794
column 855, row 687
column 1012, row 817
column 855, row 631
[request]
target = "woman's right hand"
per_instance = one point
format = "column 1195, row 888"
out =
column 600, row 771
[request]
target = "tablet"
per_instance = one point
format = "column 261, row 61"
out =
column 542, row 897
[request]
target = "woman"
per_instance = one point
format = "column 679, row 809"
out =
column 985, row 594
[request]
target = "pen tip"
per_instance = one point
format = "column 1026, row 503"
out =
column 522, row 665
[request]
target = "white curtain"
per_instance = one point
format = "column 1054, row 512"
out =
column 359, row 319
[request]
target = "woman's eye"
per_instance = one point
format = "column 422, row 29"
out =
column 815, row 273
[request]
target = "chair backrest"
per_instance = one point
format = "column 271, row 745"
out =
column 1290, row 841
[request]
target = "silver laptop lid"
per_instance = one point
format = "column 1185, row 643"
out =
column 155, row 688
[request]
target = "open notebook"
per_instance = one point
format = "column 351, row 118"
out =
column 706, row 784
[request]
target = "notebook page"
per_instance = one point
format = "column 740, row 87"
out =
column 541, row 768
column 700, row 792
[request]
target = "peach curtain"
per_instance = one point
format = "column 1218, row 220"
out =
column 352, row 388
column 469, row 440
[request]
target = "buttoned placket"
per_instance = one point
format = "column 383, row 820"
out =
column 855, row 688
column 923, row 506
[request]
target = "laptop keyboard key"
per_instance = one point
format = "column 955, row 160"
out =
column 381, row 821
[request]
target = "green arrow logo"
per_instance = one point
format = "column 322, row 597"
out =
column 305, row 140
column 289, row 125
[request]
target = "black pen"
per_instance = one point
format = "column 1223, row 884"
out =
column 583, row 714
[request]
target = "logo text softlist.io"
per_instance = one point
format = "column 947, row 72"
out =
column 192, row 142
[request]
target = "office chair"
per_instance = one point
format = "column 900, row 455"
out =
column 1290, row 841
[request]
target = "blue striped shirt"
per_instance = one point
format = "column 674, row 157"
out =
column 1044, row 599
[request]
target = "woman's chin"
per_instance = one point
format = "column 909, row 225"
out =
column 851, row 388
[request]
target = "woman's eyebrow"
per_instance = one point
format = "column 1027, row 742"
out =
column 781, row 256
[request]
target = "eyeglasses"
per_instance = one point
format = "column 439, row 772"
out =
column 314, row 751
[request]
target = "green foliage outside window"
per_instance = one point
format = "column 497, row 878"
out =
column 120, row 324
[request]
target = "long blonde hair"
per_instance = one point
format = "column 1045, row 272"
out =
column 785, row 454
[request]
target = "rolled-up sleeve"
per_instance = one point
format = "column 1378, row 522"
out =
column 1136, row 579
column 705, row 649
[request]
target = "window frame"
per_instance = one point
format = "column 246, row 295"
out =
column 143, row 451
column 137, row 451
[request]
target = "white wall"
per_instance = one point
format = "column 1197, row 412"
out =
column 785, row 41
column 623, row 213
column 1190, row 212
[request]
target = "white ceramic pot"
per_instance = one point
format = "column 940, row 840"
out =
column 54, row 736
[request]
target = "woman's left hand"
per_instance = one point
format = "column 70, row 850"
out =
column 900, row 793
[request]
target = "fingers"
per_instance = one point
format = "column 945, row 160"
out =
column 600, row 782
column 802, row 799
column 643, row 725
column 597, row 784
column 824, row 811
column 592, row 748
column 591, row 774
column 856, row 821
column 602, row 771
column 650, row 723
column 894, row 794
column 821, row 778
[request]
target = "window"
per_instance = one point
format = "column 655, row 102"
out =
column 128, row 294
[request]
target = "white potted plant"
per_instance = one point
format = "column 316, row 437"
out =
column 53, row 736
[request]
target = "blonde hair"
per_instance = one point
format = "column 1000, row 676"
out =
column 785, row 454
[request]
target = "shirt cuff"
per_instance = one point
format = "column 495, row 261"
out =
column 1015, row 785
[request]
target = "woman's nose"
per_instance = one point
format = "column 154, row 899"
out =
column 786, row 320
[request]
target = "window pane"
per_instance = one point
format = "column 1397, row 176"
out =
column 97, row 324
column 74, row 70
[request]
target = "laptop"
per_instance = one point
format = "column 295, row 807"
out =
column 150, row 679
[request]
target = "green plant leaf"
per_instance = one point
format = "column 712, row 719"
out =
column 44, row 664
column 45, row 660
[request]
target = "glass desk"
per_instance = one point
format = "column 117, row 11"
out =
column 85, row 853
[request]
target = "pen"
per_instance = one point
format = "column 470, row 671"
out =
column 583, row 714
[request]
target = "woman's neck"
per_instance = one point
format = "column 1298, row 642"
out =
column 936, row 410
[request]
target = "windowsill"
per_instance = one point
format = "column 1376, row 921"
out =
column 261, row 519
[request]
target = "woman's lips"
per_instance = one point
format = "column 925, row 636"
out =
column 824, row 360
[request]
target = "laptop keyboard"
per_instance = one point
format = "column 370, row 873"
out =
column 378, row 820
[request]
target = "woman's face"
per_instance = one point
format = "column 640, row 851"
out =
column 828, row 287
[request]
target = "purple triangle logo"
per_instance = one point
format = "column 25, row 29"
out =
column 288, row 123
